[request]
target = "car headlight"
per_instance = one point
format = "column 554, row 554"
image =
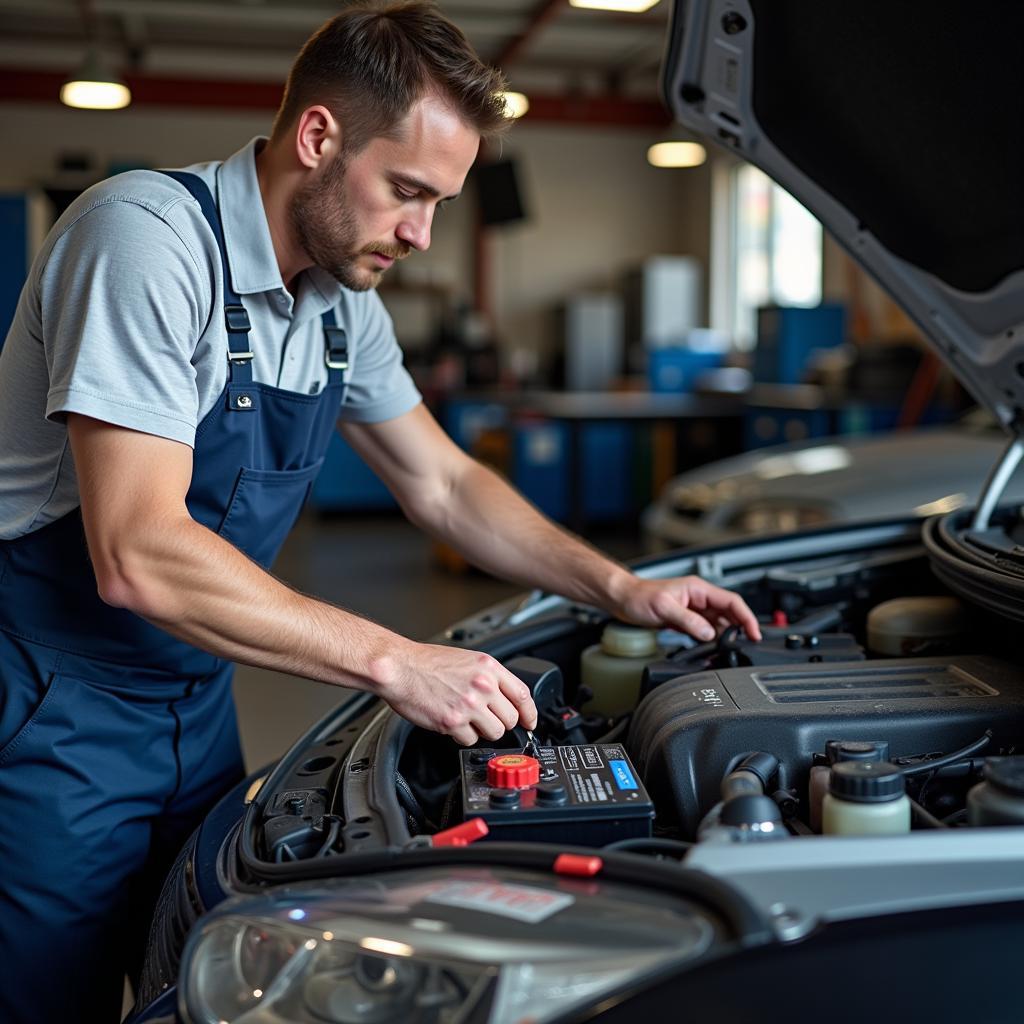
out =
column 247, row 969
column 418, row 953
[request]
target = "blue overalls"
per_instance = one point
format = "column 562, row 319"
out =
column 115, row 737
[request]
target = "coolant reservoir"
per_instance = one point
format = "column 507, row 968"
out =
column 614, row 667
column 910, row 626
column 999, row 800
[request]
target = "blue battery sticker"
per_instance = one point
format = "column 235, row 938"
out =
column 623, row 776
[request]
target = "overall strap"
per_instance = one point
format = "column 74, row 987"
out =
column 236, row 319
column 335, row 349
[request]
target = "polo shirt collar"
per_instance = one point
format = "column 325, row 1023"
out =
column 247, row 238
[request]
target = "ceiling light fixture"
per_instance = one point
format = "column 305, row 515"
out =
column 676, row 154
column 629, row 6
column 516, row 104
column 95, row 86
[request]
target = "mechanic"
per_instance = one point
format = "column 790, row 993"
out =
column 177, row 363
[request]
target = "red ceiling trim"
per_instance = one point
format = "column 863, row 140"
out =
column 31, row 86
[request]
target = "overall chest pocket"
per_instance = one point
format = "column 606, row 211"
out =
column 263, row 509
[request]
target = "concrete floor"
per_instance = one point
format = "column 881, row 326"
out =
column 379, row 566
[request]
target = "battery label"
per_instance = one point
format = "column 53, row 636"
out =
column 622, row 775
column 522, row 902
column 588, row 788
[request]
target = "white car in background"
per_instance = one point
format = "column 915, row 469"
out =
column 829, row 481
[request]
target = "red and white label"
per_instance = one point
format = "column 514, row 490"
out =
column 521, row 902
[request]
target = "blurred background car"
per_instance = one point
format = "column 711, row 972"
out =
column 831, row 480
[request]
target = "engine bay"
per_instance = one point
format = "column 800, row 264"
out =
column 866, row 658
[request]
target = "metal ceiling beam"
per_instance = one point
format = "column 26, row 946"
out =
column 542, row 14
column 19, row 85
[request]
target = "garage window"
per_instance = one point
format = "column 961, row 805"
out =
column 766, row 249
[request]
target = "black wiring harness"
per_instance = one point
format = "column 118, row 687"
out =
column 986, row 569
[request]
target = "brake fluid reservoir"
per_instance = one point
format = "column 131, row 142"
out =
column 614, row 667
column 865, row 798
column 836, row 751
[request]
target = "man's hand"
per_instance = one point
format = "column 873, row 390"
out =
column 687, row 603
column 465, row 694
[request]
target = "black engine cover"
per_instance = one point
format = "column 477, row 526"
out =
column 689, row 732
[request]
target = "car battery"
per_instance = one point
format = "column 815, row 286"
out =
column 578, row 795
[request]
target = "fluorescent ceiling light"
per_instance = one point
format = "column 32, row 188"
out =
column 95, row 95
column 516, row 104
column 676, row 154
column 630, row 6
column 95, row 87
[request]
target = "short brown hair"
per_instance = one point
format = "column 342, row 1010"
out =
column 369, row 64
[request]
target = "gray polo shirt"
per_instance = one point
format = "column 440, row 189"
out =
column 121, row 319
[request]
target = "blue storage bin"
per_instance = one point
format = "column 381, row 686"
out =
column 787, row 335
column 542, row 469
column 675, row 370
column 607, row 450
column 540, row 465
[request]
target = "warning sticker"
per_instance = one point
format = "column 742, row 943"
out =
column 521, row 902
column 591, row 758
column 569, row 758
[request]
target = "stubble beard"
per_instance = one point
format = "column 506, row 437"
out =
column 325, row 226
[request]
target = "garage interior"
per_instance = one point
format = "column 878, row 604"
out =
column 668, row 355
column 586, row 322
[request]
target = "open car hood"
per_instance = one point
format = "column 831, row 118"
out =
column 900, row 129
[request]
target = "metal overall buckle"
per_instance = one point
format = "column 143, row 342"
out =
column 335, row 348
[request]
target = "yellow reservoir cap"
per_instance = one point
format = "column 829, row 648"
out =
column 622, row 641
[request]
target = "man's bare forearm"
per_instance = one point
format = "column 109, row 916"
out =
column 192, row 583
column 499, row 531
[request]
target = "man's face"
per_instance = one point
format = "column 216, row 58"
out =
column 359, row 214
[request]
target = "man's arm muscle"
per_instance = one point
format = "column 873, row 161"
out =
column 152, row 558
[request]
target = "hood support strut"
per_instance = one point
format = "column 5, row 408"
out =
column 996, row 483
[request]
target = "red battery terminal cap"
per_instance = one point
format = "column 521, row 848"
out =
column 578, row 864
column 461, row 835
column 513, row 771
